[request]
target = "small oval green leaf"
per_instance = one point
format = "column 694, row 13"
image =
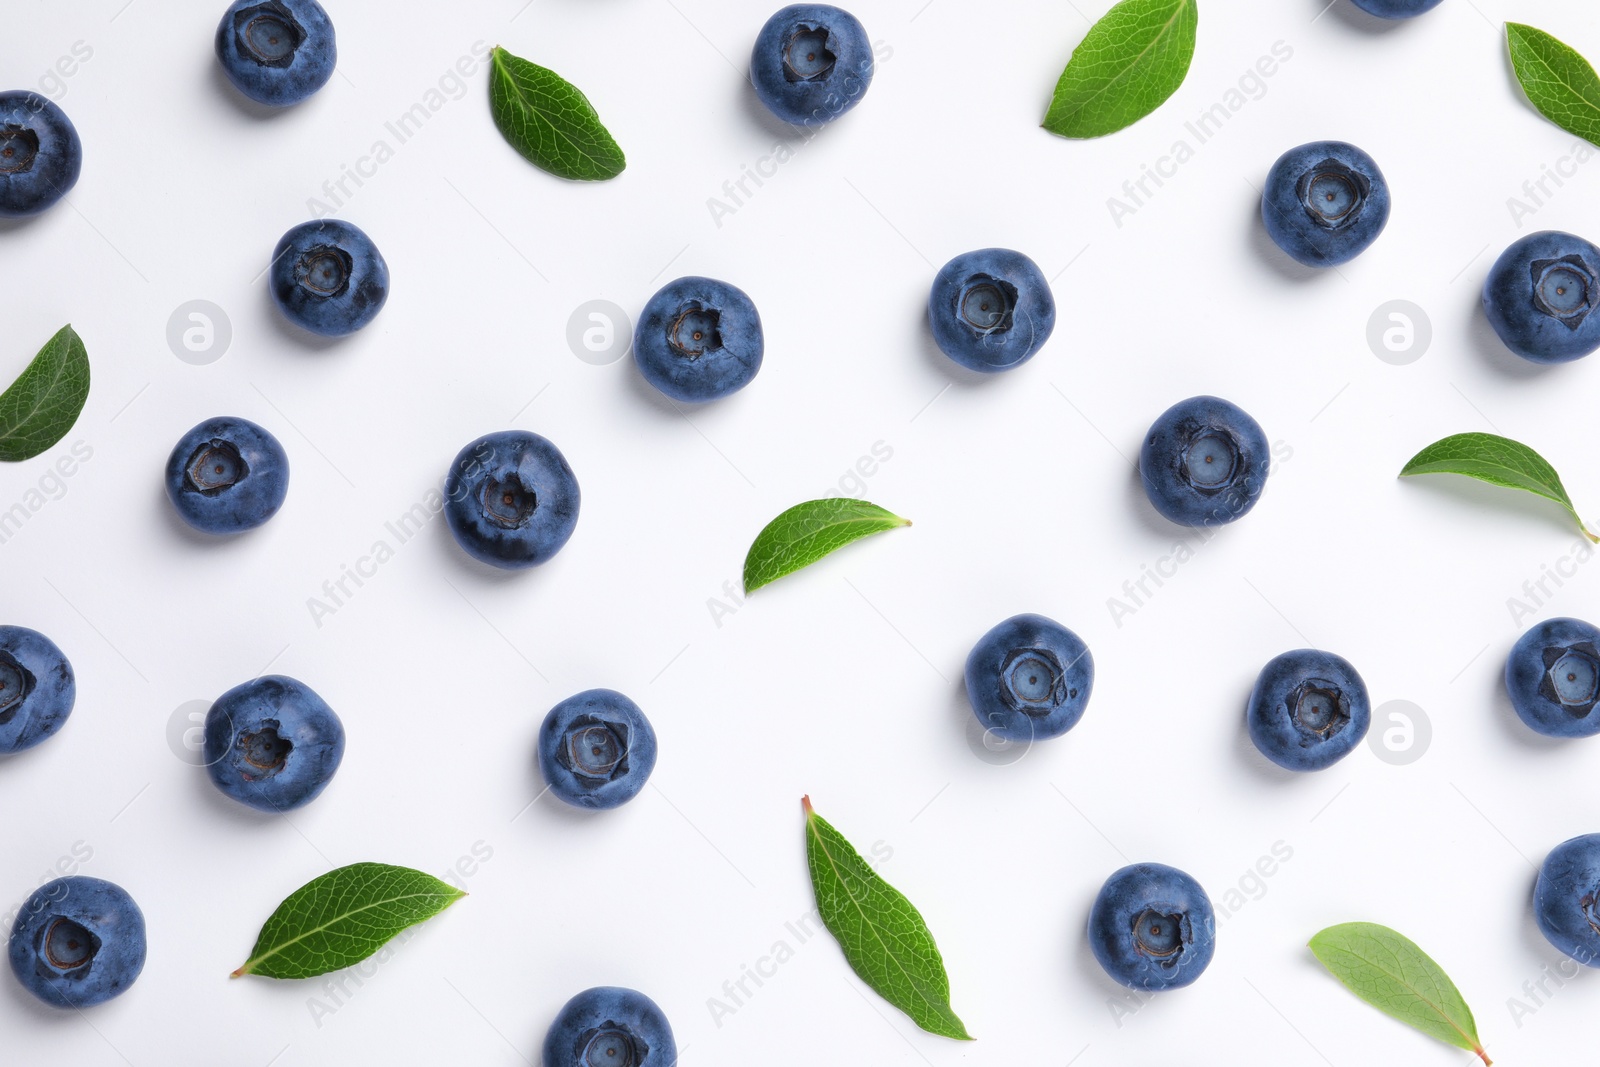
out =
column 46, row 399
column 1498, row 461
column 344, row 916
column 807, row 532
column 1133, row 59
column 550, row 121
column 883, row 937
column 1391, row 973
column 1558, row 81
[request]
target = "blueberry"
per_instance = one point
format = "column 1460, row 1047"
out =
column 272, row 743
column 1325, row 202
column 699, row 339
column 1566, row 898
column 227, row 475
column 276, row 52
column 78, row 942
column 37, row 688
column 1396, row 9
column 1152, row 927
column 991, row 310
column 328, row 277
column 1553, row 678
column 40, row 154
column 596, row 749
column 1204, row 462
column 511, row 499
column 811, row 64
column 1541, row 295
column 610, row 1027
column 1029, row 677
column 1308, row 710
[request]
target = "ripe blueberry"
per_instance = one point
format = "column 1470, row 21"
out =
column 596, row 749
column 510, row 499
column 328, row 277
column 1553, row 678
column 272, row 743
column 276, row 52
column 1308, row 710
column 1396, row 9
column 78, row 942
column 40, row 154
column 610, row 1027
column 1152, row 927
column 991, row 310
column 1029, row 677
column 37, row 688
column 1204, row 462
column 699, row 339
column 1325, row 202
column 1541, row 296
column 811, row 64
column 227, row 475
column 1566, row 898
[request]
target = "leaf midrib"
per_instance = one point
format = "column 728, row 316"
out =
column 251, row 964
column 1183, row 6
column 916, row 985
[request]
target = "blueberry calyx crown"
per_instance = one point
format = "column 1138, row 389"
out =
column 611, row 1045
column 1210, row 460
column 696, row 330
column 806, row 56
column 1032, row 681
column 265, row 750
column 595, row 749
column 67, row 947
column 214, row 467
column 507, row 502
column 16, row 682
column 1319, row 707
column 987, row 304
column 19, row 146
column 1333, row 194
column 1572, row 677
column 1161, row 936
column 1565, row 289
column 1587, row 903
column 324, row 271
column 268, row 34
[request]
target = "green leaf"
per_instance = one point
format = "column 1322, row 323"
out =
column 1558, row 81
column 807, row 532
column 550, row 121
column 884, row 938
column 344, row 916
column 46, row 399
column 1392, row 974
column 1498, row 461
column 1133, row 59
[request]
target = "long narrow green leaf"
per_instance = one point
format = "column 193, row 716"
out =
column 1391, row 973
column 883, row 937
column 1498, row 461
column 807, row 532
column 344, row 916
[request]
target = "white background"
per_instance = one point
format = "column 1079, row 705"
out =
column 843, row 682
